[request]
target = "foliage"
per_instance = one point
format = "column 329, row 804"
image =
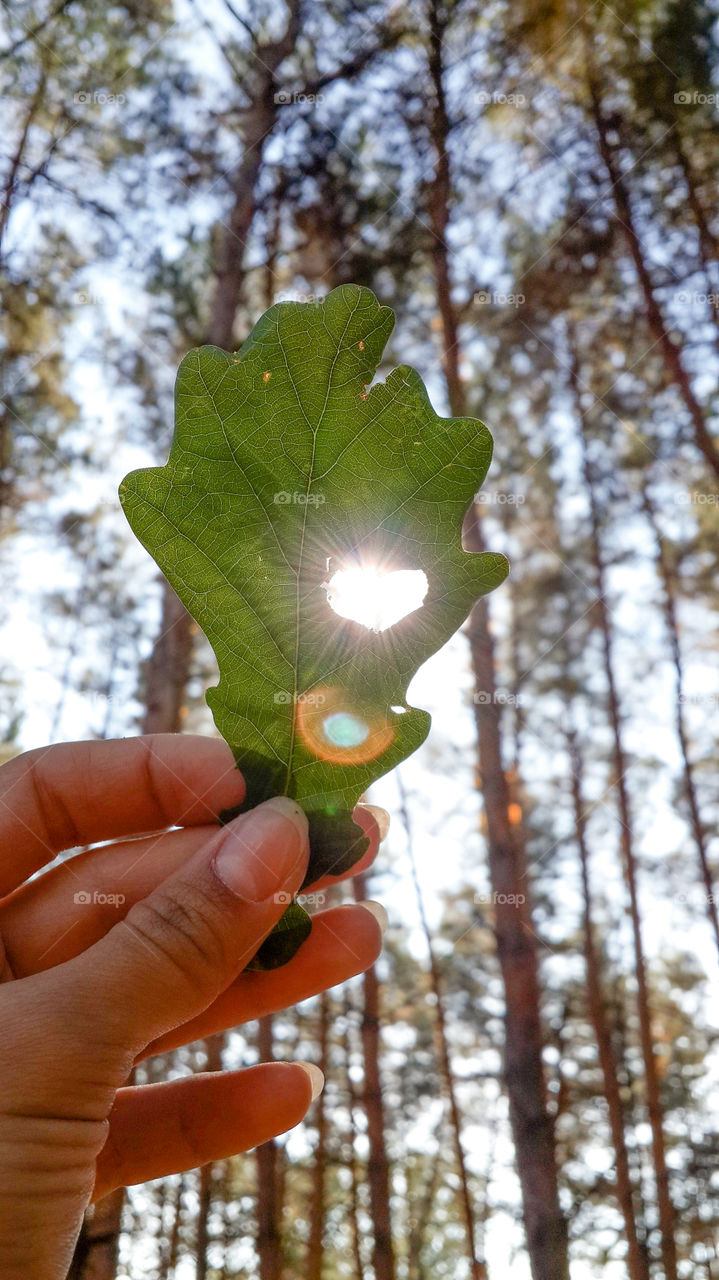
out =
column 283, row 469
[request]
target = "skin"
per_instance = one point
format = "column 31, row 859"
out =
column 89, row 988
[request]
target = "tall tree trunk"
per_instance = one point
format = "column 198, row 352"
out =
column 352, row 1142
column 654, row 1107
column 532, row 1126
column 269, row 1240
column 418, row 1231
column 213, row 1054
column 378, row 1173
column 477, row 1266
column 637, row 1260
column 315, row 1247
column 671, row 351
column 708, row 244
column 259, row 119
column 698, row 829
column 167, row 670
column 169, row 1258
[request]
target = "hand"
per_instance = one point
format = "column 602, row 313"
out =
column 132, row 949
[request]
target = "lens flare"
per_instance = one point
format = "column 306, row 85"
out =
column 334, row 729
column 345, row 730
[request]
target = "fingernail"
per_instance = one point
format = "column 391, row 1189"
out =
column 317, row 1079
column 380, row 816
column 377, row 910
column 263, row 851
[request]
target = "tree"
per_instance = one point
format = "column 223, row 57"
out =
column 654, row 1107
column 531, row 1123
column 378, row 1172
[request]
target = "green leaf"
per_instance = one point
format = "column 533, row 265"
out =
column 284, row 467
column 286, row 938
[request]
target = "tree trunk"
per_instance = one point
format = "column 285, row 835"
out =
column 654, row 1107
column 532, row 1127
column 213, row 1051
column 259, row 119
column 708, row 244
column 418, row 1230
column 477, row 1266
column 637, row 1261
column 671, row 351
column 168, row 1262
column 378, row 1173
column 269, row 1241
column 315, row 1248
column 167, row 670
column 670, row 614
column 351, row 1144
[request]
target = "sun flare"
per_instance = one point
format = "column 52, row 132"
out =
column 374, row 598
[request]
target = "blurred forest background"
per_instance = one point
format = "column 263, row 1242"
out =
column 528, row 1080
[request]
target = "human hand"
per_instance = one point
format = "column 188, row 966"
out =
column 92, row 984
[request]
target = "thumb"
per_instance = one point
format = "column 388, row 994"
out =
column 180, row 947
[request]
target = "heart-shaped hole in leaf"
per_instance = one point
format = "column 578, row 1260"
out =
column 374, row 597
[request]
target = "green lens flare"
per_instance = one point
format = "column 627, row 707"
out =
column 345, row 730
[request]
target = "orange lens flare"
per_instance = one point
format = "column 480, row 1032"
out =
column 336, row 729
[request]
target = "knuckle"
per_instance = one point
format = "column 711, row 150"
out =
column 183, row 931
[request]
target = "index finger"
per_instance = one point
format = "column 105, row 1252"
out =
column 75, row 793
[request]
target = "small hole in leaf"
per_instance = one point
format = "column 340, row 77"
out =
column 399, row 711
column 267, row 376
column 376, row 598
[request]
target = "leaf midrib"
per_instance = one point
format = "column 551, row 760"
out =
column 310, row 475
